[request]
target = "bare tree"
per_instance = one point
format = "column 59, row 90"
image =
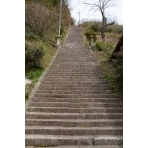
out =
column 102, row 5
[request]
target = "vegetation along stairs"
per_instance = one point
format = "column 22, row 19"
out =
column 74, row 105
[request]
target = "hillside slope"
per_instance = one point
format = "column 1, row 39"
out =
column 41, row 29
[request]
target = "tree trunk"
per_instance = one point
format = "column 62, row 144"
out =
column 103, row 34
column 104, row 21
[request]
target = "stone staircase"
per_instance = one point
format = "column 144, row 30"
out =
column 74, row 104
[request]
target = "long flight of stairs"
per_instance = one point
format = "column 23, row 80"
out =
column 74, row 104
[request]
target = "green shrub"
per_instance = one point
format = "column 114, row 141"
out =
column 33, row 56
column 103, row 46
column 99, row 45
column 31, row 36
column 88, row 34
column 96, row 27
column 115, row 29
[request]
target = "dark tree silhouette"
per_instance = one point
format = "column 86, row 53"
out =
column 102, row 5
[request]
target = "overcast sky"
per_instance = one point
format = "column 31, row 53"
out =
column 113, row 12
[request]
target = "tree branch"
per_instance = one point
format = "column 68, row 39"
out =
column 95, row 5
column 112, row 23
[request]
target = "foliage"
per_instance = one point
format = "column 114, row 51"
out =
column 96, row 27
column 34, row 73
column 31, row 36
column 33, row 56
column 28, row 89
column 113, row 69
column 41, row 28
column 101, row 46
column 118, row 29
column 90, row 33
column 44, row 19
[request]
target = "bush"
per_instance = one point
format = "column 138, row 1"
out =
column 115, row 29
column 88, row 33
column 96, row 27
column 31, row 36
column 33, row 56
column 99, row 45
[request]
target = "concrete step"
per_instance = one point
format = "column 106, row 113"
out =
column 57, row 130
column 75, row 68
column 100, row 76
column 56, row 72
column 49, row 74
column 61, row 85
column 45, row 115
column 74, row 122
column 75, row 105
column 76, row 71
column 73, row 78
column 76, row 110
column 76, row 100
column 56, row 79
column 50, row 140
column 73, row 91
column 73, row 82
column 72, row 88
column 80, row 146
column 75, row 95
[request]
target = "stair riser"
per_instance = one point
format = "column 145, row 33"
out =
column 70, row 110
column 76, row 105
column 75, row 100
column 89, row 116
column 70, row 90
column 74, row 77
column 51, row 88
column 74, row 82
column 73, row 87
column 50, row 73
column 77, row 85
column 73, row 124
column 73, row 104
column 59, row 142
column 73, row 92
column 74, row 132
column 75, row 95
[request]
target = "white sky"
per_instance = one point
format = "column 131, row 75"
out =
column 113, row 12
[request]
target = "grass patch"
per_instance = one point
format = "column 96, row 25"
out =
column 113, row 35
column 104, row 50
column 114, row 75
column 111, row 68
column 32, row 74
column 34, row 71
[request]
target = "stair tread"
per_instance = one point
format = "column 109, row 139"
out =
column 74, row 128
column 77, row 120
column 103, row 137
column 74, row 104
column 45, row 113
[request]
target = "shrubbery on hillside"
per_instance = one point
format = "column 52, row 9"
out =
column 112, row 68
column 33, row 56
column 41, row 28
